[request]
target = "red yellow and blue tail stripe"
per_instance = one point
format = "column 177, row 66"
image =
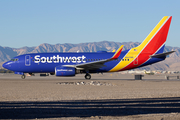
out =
column 154, row 43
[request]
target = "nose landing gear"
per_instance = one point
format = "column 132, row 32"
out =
column 87, row 76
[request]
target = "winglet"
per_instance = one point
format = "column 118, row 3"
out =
column 118, row 52
column 114, row 50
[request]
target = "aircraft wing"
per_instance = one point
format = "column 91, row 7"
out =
column 100, row 63
column 92, row 65
column 97, row 64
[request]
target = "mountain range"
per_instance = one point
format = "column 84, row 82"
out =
column 171, row 62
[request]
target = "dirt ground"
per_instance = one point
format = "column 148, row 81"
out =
column 107, row 96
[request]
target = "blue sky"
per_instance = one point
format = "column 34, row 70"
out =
column 33, row 22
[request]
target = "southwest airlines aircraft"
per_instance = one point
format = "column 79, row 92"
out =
column 69, row 64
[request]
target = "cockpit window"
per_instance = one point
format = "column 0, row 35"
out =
column 14, row 59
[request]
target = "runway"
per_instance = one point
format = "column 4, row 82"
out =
column 117, row 96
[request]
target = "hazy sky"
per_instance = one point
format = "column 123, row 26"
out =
column 33, row 22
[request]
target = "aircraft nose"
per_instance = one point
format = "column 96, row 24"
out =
column 6, row 65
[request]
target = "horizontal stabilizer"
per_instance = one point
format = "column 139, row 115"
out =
column 162, row 54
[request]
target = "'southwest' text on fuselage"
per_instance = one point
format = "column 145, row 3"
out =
column 59, row 59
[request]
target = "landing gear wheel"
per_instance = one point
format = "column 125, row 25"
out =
column 87, row 76
column 23, row 76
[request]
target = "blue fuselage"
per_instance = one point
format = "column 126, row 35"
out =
column 46, row 62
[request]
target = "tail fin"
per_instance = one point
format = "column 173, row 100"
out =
column 153, row 44
column 155, row 41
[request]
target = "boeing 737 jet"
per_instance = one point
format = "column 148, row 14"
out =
column 69, row 64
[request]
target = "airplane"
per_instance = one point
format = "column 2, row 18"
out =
column 69, row 64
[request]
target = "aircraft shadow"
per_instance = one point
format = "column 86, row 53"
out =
column 88, row 108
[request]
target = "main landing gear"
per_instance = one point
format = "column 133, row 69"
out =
column 87, row 76
column 23, row 76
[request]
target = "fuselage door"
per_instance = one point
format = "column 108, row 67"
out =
column 27, row 60
column 136, row 61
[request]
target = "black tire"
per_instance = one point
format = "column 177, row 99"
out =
column 87, row 76
column 23, row 76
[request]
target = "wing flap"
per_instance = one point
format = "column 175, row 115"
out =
column 92, row 65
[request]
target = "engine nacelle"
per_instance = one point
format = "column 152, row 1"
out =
column 65, row 71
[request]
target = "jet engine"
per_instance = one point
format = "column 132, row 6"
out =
column 65, row 71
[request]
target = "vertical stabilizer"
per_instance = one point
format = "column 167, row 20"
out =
column 153, row 44
column 155, row 41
